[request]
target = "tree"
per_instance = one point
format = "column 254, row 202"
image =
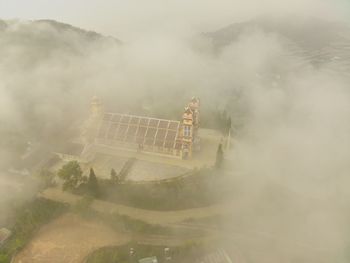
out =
column 72, row 175
column 4, row 258
column 114, row 177
column 223, row 121
column 228, row 125
column 219, row 157
column 92, row 184
column 46, row 178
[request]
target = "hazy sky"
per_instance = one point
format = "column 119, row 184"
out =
column 128, row 18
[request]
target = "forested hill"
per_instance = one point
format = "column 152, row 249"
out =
column 31, row 41
column 312, row 40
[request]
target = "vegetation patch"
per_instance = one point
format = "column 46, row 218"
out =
column 202, row 188
column 29, row 218
column 134, row 252
column 119, row 222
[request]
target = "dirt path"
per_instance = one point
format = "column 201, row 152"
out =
column 148, row 216
column 69, row 239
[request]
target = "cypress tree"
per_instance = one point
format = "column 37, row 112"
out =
column 92, row 184
column 219, row 157
column 228, row 125
column 113, row 175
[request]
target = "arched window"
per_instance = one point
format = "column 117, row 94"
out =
column 187, row 131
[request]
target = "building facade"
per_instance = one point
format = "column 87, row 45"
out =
column 172, row 138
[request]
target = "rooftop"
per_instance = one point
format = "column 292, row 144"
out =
column 139, row 130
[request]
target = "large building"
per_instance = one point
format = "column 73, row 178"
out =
column 144, row 134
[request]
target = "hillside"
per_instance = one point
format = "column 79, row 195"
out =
column 27, row 43
column 312, row 40
column 45, row 67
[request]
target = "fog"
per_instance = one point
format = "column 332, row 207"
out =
column 130, row 19
column 291, row 145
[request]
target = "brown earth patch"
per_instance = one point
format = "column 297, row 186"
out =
column 69, row 239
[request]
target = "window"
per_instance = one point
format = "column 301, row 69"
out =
column 187, row 131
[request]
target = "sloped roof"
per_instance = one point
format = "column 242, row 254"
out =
column 139, row 130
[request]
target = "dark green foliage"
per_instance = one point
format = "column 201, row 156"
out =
column 92, row 184
column 126, row 169
column 216, row 119
column 201, row 188
column 29, row 219
column 4, row 258
column 228, row 125
column 72, row 176
column 224, row 122
column 114, row 176
column 134, row 225
column 219, row 157
column 46, row 178
column 118, row 222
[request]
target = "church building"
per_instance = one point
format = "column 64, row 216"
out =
column 173, row 138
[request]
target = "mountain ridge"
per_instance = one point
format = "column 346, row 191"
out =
column 313, row 40
column 59, row 26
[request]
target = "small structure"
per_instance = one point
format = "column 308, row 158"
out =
column 167, row 255
column 4, row 235
column 149, row 260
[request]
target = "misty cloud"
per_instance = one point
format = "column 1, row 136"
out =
column 291, row 144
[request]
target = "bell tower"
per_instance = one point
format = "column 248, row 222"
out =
column 194, row 106
column 189, row 129
column 96, row 108
column 91, row 125
column 187, row 133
